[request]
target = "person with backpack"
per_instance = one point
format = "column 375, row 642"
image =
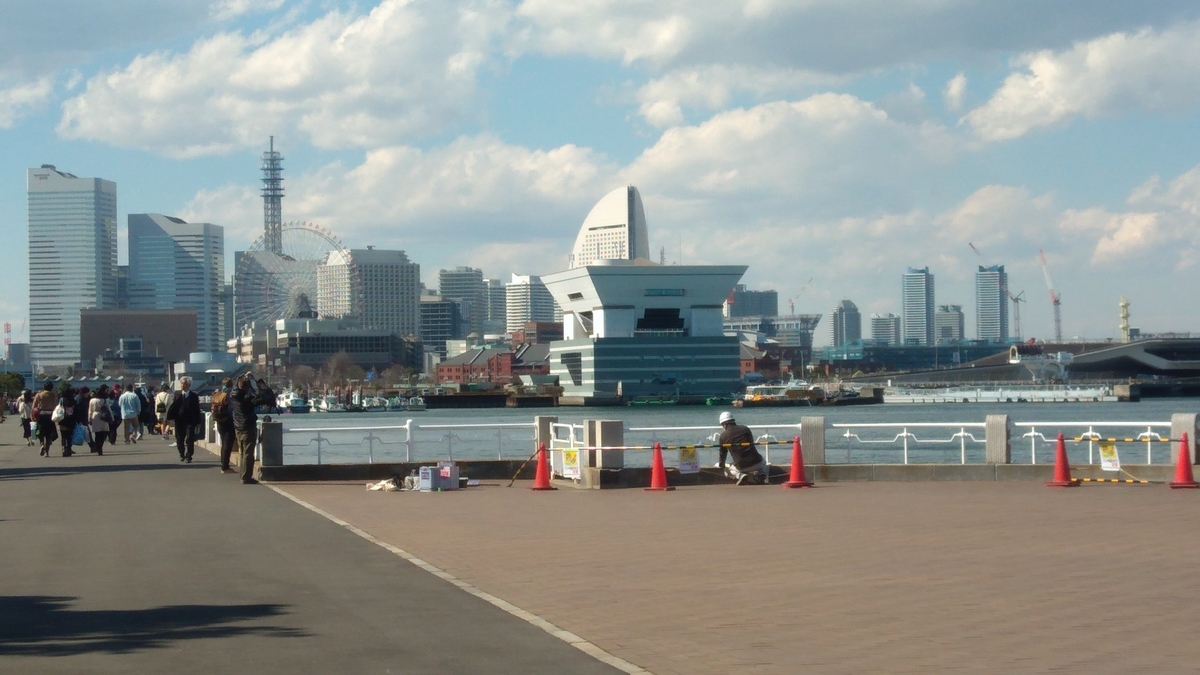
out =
column 161, row 402
column 222, row 414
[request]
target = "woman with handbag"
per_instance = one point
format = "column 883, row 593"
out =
column 66, row 421
column 99, row 417
column 44, row 405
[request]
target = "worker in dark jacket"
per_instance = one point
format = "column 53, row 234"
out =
column 185, row 412
column 738, row 441
column 245, row 424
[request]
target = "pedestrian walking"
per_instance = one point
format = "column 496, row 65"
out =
column 185, row 412
column 25, row 410
column 245, row 425
column 222, row 414
column 99, row 418
column 148, row 419
column 162, row 401
column 131, row 411
column 44, row 405
column 114, row 408
column 65, row 412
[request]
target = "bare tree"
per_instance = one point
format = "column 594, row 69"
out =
column 302, row 376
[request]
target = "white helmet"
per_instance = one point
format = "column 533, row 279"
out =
column 725, row 417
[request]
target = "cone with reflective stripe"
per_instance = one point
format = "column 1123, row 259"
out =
column 542, row 480
column 797, row 479
column 658, row 473
column 1062, row 468
column 1183, row 467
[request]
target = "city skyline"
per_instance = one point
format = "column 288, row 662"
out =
column 1017, row 127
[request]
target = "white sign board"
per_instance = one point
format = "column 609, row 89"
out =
column 1109, row 461
column 570, row 463
column 689, row 460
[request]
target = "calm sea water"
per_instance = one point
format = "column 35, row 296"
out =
column 352, row 443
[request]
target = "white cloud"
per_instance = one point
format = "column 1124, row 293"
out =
column 224, row 10
column 712, row 88
column 22, row 99
column 953, row 93
column 344, row 80
column 1157, row 71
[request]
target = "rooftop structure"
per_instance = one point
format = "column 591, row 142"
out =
column 615, row 229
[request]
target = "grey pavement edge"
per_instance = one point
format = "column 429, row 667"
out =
column 135, row 562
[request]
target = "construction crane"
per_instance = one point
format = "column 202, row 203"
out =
column 792, row 300
column 1055, row 298
column 1016, row 299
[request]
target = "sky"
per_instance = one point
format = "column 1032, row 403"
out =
column 827, row 144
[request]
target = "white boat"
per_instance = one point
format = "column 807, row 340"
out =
column 396, row 403
column 415, row 404
column 294, row 403
column 330, row 404
column 791, row 393
column 997, row 394
column 375, row 404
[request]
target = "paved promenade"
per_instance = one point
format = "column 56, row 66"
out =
column 846, row 578
column 135, row 563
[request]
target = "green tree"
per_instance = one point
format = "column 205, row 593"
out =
column 11, row 384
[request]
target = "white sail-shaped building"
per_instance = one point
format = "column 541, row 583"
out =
column 615, row 229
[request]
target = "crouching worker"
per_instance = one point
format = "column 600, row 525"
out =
column 737, row 440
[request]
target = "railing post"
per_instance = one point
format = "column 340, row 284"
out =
column 906, row 445
column 1149, row 445
column 1183, row 423
column 812, row 438
column 408, row 441
column 997, row 440
column 1091, row 434
column 962, row 447
column 1033, row 445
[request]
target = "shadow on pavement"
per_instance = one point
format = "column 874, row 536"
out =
column 23, row 473
column 45, row 626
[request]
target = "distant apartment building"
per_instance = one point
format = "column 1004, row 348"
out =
column 917, row 306
column 615, row 229
column 949, row 324
column 441, row 320
column 379, row 288
column 72, row 259
column 466, row 285
column 846, row 323
column 885, row 328
column 526, row 299
column 497, row 307
column 991, row 303
column 174, row 264
column 744, row 302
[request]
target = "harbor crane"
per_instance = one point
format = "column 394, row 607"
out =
column 1055, row 298
column 1016, row 299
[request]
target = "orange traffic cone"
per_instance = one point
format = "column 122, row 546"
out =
column 542, row 480
column 658, row 473
column 1062, row 468
column 797, row 479
column 1183, row 467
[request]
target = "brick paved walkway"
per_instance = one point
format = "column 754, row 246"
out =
column 847, row 578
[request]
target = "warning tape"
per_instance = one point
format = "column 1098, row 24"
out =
column 1112, row 480
column 1097, row 439
column 662, row 447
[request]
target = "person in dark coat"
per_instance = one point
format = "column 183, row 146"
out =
column 245, row 424
column 737, row 441
column 66, row 426
column 188, row 418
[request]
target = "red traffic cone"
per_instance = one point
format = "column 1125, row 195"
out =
column 1183, row 467
column 1062, row 468
column 542, row 480
column 797, row 479
column 658, row 473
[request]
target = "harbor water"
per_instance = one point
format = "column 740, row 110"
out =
column 464, row 434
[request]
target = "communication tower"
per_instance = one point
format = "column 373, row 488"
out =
column 272, row 194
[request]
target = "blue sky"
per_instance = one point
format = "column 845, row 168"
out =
column 839, row 141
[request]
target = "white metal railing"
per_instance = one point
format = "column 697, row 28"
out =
column 904, row 435
column 1149, row 435
column 473, row 436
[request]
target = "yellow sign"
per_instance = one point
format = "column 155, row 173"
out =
column 570, row 463
column 689, row 460
column 1109, row 461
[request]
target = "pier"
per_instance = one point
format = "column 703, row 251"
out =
column 135, row 562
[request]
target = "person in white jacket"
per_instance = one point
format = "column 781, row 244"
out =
column 131, row 409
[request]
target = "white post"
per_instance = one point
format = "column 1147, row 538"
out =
column 905, row 445
column 962, row 439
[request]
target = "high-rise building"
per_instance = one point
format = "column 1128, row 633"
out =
column 380, row 288
column 174, row 264
column 949, row 324
column 497, row 303
column 847, row 323
column 72, row 258
column 526, row 299
column 917, row 306
column 466, row 285
column 886, row 328
column 743, row 302
column 615, row 229
column 991, row 303
column 441, row 320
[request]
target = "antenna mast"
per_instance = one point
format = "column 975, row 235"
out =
column 272, row 194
